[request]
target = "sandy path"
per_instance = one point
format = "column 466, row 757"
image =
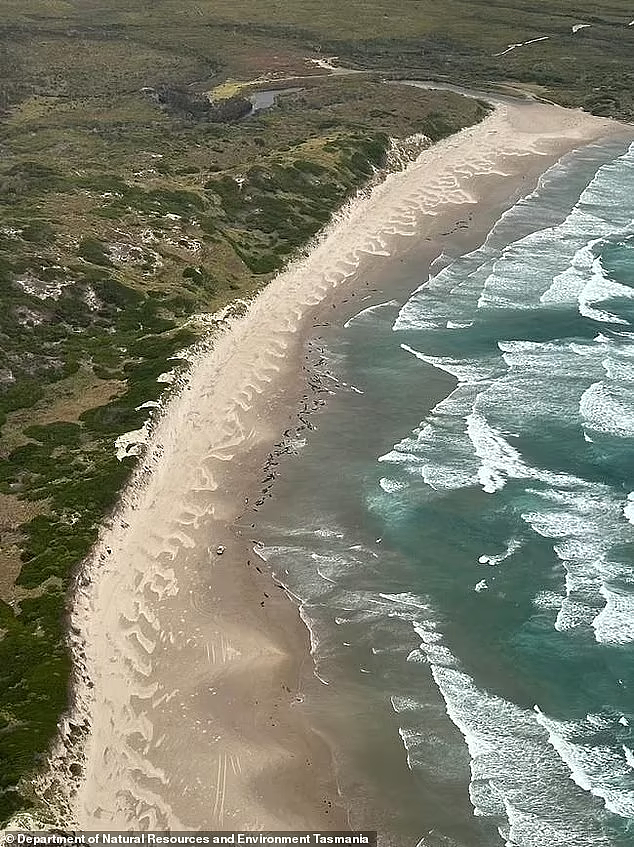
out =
column 193, row 695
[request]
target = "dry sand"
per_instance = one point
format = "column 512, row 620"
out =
column 191, row 676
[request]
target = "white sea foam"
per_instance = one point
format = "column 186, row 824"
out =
column 598, row 769
column 512, row 546
column 431, row 645
column 628, row 509
column 513, row 284
column 499, row 459
column 513, row 775
column 465, row 371
column 599, row 288
column 521, row 760
column 620, row 367
column 390, row 486
column 548, row 600
column 407, row 600
column 449, row 297
column 572, row 509
column 586, row 520
column 433, row 452
column 370, row 310
column 569, row 270
column 489, row 406
column 404, row 704
column 608, row 409
column 567, row 286
column 324, row 532
column 615, row 623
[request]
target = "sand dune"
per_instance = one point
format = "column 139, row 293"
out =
column 190, row 680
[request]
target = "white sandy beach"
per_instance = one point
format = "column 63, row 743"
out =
column 191, row 680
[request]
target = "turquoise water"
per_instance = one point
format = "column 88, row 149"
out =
column 459, row 529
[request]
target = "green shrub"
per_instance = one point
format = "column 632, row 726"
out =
column 56, row 433
column 93, row 250
column 38, row 232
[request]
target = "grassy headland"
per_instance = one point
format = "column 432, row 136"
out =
column 127, row 207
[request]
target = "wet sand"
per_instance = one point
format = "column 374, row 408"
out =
column 190, row 663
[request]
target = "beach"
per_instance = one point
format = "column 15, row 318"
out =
column 191, row 660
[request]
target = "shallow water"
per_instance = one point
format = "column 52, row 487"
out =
column 458, row 527
column 267, row 97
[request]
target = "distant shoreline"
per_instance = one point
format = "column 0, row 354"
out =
column 193, row 662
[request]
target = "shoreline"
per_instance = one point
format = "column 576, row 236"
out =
column 250, row 750
column 370, row 797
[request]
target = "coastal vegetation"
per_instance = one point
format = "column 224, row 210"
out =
column 131, row 203
column 123, row 217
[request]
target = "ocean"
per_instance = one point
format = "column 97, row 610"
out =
column 457, row 527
